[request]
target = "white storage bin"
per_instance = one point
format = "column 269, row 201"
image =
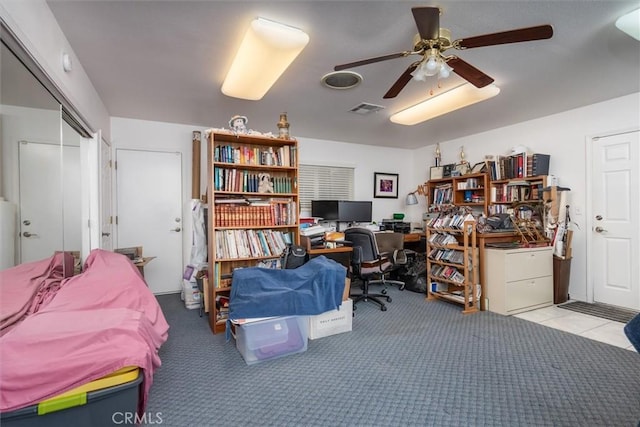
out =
column 272, row 338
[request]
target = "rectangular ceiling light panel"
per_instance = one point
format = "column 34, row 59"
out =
column 267, row 49
column 630, row 23
column 444, row 103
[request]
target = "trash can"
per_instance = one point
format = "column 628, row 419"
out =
column 561, row 273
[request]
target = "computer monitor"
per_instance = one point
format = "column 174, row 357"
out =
column 342, row 210
column 325, row 209
column 354, row 211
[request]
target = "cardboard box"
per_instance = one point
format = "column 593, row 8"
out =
column 347, row 289
column 259, row 341
column 332, row 322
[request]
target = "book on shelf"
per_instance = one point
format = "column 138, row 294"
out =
column 538, row 164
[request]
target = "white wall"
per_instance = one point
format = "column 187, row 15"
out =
column 160, row 136
column 366, row 160
column 35, row 26
column 565, row 137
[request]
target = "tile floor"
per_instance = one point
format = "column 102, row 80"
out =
column 587, row 326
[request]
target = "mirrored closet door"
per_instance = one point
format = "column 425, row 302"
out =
column 40, row 180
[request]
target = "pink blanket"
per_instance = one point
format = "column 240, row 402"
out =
column 99, row 321
column 27, row 287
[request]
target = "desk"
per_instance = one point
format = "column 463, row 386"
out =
column 341, row 254
column 413, row 237
column 416, row 242
column 142, row 262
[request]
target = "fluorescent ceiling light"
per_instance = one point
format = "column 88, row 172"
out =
column 454, row 99
column 267, row 49
column 630, row 24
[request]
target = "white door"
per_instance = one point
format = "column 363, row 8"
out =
column 149, row 213
column 50, row 214
column 615, row 233
column 106, row 177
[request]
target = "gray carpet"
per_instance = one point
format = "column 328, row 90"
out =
column 603, row 311
column 418, row 364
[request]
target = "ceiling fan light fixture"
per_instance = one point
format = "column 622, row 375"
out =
column 445, row 70
column 446, row 102
column 266, row 51
column 630, row 23
column 431, row 65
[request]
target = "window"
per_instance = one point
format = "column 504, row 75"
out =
column 324, row 183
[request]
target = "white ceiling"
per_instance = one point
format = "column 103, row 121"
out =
column 166, row 60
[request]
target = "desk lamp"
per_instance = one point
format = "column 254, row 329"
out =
column 411, row 197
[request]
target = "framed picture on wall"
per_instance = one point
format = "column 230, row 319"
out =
column 385, row 185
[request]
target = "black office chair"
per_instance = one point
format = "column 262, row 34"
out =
column 368, row 265
column 391, row 246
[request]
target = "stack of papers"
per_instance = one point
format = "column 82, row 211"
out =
column 314, row 230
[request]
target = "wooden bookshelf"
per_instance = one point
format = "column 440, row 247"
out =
column 452, row 262
column 254, row 208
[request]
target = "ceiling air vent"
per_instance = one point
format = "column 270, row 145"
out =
column 366, row 108
column 341, row 79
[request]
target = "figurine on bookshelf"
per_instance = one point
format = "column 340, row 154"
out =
column 438, row 155
column 239, row 124
column 265, row 185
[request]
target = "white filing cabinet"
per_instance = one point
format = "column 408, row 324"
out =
column 517, row 280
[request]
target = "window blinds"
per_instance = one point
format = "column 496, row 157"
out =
column 323, row 183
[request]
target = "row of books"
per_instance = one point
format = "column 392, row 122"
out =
column 447, row 272
column 469, row 184
column 263, row 156
column 450, row 221
column 255, row 214
column 447, row 255
column 458, row 295
column 521, row 165
column 442, row 239
column 499, row 209
column 238, row 244
column 442, row 194
column 248, row 182
column 517, row 192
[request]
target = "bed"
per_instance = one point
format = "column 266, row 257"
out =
column 59, row 333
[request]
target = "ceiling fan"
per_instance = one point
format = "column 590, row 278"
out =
column 432, row 41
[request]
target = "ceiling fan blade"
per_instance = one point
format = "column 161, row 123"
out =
column 401, row 82
column 370, row 61
column 428, row 22
column 513, row 36
column 469, row 72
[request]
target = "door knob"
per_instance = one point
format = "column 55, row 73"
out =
column 600, row 230
column 105, row 234
column 27, row 234
column 177, row 229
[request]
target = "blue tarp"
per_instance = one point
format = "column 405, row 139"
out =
column 632, row 330
column 313, row 288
